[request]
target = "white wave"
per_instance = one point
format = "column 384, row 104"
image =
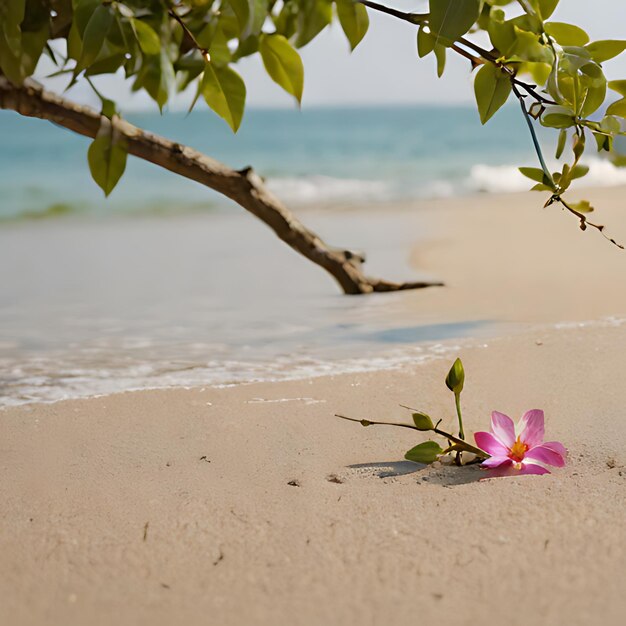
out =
column 326, row 189
column 496, row 179
column 438, row 189
column 505, row 178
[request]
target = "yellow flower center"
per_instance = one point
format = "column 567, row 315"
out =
column 518, row 450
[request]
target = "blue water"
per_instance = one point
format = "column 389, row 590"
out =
column 314, row 156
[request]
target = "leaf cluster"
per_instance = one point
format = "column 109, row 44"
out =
column 553, row 69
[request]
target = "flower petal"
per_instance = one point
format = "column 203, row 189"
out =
column 531, row 428
column 503, row 428
column 531, row 468
column 550, row 453
column 511, row 470
column 496, row 461
column 490, row 444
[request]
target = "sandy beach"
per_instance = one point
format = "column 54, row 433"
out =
column 252, row 504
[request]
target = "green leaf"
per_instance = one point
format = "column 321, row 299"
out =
column 617, row 108
column 425, row 42
column 82, row 12
column 12, row 14
column 241, row 9
column 94, row 36
column 426, row 452
column 536, row 174
column 225, row 92
column 451, row 19
column 593, row 99
column 561, row 143
column 313, row 16
column 528, row 47
column 156, row 76
column 557, row 117
column 565, row 178
column 106, row 65
column 619, row 86
column 354, row 21
column 33, row 43
column 501, row 33
column 258, row 15
column 606, row 49
column 423, row 421
column 541, row 187
column 546, row 7
column 146, row 36
column 11, row 17
column 456, row 377
column 567, row 34
column 578, row 171
column 283, row 64
column 219, row 52
column 583, row 206
column 440, row 54
column 605, row 142
column 107, row 156
column 492, row 88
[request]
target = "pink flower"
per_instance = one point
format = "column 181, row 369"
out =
column 515, row 451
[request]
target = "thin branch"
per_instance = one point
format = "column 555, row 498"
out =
column 412, row 18
column 172, row 13
column 584, row 222
column 556, row 197
column 485, row 54
column 474, row 60
column 365, row 422
column 532, row 90
column 468, row 447
column 531, row 128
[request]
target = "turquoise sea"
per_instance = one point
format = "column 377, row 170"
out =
column 312, row 157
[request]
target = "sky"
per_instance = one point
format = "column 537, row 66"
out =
column 384, row 69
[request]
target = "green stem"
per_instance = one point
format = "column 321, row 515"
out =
column 457, row 402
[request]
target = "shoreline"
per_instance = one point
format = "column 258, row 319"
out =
column 59, row 212
column 408, row 356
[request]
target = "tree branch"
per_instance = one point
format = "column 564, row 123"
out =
column 584, row 222
column 244, row 187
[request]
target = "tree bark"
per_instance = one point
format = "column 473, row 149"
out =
column 245, row 187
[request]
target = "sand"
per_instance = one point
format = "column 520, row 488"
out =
column 254, row 505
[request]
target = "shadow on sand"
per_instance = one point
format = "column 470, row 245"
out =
column 446, row 475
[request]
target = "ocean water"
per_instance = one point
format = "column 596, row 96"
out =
column 165, row 283
column 310, row 157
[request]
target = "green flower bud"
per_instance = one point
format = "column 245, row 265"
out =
column 456, row 377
